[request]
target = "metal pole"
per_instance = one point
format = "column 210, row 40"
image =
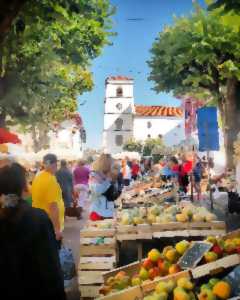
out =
column 191, row 178
column 209, row 176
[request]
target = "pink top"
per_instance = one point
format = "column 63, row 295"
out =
column 81, row 175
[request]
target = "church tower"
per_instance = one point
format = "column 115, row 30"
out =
column 118, row 113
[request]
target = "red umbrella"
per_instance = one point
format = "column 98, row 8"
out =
column 8, row 137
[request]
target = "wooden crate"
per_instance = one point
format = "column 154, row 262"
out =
column 95, row 258
column 214, row 267
column 148, row 285
column 134, row 232
column 96, row 232
column 130, row 269
column 127, row 232
column 89, row 291
column 97, row 263
column 132, row 293
column 231, row 235
column 188, row 229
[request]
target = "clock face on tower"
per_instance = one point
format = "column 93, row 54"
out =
column 119, row 106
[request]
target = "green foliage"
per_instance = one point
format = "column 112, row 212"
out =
column 151, row 145
column 45, row 58
column 196, row 54
column 227, row 5
column 133, row 146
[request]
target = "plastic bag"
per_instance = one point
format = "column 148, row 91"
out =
column 67, row 263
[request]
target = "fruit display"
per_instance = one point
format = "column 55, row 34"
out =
column 157, row 264
column 165, row 214
column 181, row 289
column 221, row 248
column 184, row 289
column 215, row 289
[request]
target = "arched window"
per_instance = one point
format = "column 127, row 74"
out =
column 119, row 92
column 119, row 124
column 119, row 140
column 149, row 124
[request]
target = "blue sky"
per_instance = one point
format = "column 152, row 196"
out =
column 128, row 57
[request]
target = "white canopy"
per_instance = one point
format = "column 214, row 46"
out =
column 130, row 155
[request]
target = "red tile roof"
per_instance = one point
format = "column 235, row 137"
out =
column 156, row 111
column 119, row 78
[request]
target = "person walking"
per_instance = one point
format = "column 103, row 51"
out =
column 29, row 260
column 65, row 180
column 100, row 185
column 80, row 179
column 47, row 194
column 197, row 176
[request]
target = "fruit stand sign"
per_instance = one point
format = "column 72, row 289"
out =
column 194, row 254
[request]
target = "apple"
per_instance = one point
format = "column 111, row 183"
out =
column 217, row 249
column 210, row 256
column 143, row 274
column 174, row 269
column 154, row 272
column 136, row 280
column 147, row 264
column 154, row 255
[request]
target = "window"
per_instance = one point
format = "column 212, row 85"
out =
column 119, row 140
column 160, row 136
column 119, row 124
column 119, row 92
column 149, row 136
column 119, row 106
column 149, row 125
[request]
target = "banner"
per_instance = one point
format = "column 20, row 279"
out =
column 207, row 125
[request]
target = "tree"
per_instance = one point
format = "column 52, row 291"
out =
column 133, row 146
column 227, row 5
column 45, row 59
column 152, row 144
column 200, row 56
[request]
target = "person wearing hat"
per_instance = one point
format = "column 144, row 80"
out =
column 47, row 194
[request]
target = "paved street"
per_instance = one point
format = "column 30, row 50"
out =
column 72, row 240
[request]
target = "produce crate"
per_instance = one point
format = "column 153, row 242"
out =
column 132, row 293
column 216, row 266
column 188, row 229
column 134, row 232
column 98, row 254
column 148, row 285
column 232, row 234
column 138, row 292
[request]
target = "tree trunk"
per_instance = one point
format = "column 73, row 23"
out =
column 35, row 139
column 231, row 118
column 8, row 12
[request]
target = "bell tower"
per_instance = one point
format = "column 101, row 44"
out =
column 118, row 113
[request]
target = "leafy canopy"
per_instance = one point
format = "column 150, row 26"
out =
column 46, row 57
column 196, row 55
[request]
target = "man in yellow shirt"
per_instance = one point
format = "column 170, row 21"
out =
column 47, row 194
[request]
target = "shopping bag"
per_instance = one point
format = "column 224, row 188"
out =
column 67, row 263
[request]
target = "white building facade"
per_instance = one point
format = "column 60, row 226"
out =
column 124, row 120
